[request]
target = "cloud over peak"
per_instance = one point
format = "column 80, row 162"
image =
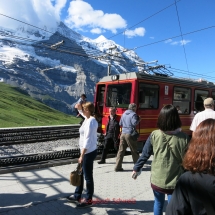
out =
column 45, row 13
column 136, row 32
column 81, row 14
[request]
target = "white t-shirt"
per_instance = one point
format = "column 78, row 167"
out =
column 88, row 135
column 201, row 116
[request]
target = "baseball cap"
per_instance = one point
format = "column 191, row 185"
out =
column 84, row 95
column 209, row 101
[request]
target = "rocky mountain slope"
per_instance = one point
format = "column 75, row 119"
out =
column 57, row 68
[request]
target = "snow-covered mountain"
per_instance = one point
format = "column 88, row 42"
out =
column 56, row 68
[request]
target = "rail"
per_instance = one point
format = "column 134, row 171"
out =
column 13, row 136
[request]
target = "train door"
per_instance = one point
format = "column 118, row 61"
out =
column 99, row 102
column 148, row 108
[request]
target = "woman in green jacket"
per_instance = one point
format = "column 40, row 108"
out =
column 168, row 144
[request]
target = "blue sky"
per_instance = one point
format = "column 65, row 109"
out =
column 111, row 18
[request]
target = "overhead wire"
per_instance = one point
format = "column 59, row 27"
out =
column 32, row 25
column 179, row 23
column 159, row 41
column 108, row 37
column 79, row 52
column 36, row 41
column 143, row 45
column 26, row 23
column 145, row 19
column 124, row 31
column 192, row 73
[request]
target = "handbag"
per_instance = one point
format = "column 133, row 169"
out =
column 75, row 176
column 135, row 134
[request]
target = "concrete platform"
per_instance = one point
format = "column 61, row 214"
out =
column 44, row 191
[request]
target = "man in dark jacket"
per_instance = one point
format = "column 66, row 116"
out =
column 112, row 133
column 128, row 121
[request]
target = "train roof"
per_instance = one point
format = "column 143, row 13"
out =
column 157, row 78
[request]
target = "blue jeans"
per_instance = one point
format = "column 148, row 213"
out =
column 87, row 166
column 159, row 202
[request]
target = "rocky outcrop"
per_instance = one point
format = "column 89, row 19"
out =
column 56, row 76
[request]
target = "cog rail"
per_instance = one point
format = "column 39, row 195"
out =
column 11, row 136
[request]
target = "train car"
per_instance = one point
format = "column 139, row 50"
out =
column 150, row 93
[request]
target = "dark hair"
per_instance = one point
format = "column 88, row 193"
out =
column 83, row 95
column 168, row 119
column 200, row 156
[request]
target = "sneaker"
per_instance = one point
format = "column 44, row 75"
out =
column 101, row 162
column 119, row 170
column 72, row 199
column 84, row 204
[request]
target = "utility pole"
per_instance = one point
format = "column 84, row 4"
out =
column 109, row 69
column 109, row 63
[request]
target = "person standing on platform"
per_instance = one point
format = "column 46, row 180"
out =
column 203, row 115
column 128, row 121
column 78, row 106
column 168, row 144
column 88, row 148
column 112, row 134
column 195, row 191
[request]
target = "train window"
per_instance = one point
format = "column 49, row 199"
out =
column 118, row 95
column 200, row 96
column 148, row 96
column 213, row 95
column 182, row 99
column 101, row 90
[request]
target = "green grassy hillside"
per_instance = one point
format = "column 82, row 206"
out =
column 17, row 109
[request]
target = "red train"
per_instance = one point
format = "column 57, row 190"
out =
column 150, row 93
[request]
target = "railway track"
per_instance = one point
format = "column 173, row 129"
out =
column 11, row 136
column 32, row 135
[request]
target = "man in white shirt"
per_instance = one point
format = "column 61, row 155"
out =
column 206, row 114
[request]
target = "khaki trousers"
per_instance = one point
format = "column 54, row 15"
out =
column 126, row 141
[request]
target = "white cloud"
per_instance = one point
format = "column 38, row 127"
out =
column 136, row 32
column 168, row 41
column 152, row 38
column 43, row 14
column 81, row 14
column 174, row 43
column 96, row 31
column 184, row 42
column 59, row 5
column 181, row 42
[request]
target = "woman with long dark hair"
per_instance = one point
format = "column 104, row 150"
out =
column 88, row 148
column 195, row 189
column 168, row 144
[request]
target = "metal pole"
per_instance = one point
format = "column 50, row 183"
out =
column 109, row 69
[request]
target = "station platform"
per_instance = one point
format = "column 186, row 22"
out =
column 44, row 191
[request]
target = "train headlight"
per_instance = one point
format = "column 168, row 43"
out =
column 114, row 77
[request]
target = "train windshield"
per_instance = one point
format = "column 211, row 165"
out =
column 118, row 95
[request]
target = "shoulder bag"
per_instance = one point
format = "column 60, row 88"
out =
column 75, row 176
column 135, row 134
